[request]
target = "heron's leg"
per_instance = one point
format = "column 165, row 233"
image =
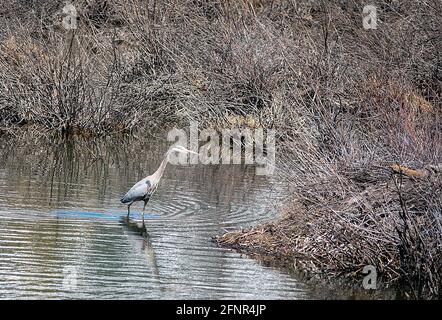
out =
column 144, row 208
column 128, row 212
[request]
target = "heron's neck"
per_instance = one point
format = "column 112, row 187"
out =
column 159, row 173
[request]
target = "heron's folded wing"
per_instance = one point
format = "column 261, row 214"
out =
column 136, row 193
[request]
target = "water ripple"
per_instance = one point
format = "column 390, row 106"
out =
column 63, row 219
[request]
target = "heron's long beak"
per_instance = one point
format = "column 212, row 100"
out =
column 192, row 152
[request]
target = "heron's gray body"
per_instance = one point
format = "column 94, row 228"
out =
column 141, row 191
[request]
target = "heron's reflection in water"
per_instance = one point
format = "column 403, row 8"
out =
column 141, row 243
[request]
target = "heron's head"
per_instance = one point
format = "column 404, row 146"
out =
column 181, row 149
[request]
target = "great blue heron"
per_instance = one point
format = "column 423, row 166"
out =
column 144, row 189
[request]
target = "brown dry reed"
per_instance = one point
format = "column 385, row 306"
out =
column 357, row 112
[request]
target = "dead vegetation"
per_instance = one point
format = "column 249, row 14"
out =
column 370, row 217
column 130, row 65
column 357, row 112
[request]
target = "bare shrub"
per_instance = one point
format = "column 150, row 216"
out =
column 351, row 107
column 367, row 104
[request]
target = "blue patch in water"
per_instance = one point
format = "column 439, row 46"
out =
column 100, row 215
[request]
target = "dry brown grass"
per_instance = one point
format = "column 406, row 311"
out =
column 344, row 101
column 389, row 221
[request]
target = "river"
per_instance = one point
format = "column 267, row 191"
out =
column 64, row 233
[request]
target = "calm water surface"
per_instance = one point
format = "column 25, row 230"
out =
column 63, row 232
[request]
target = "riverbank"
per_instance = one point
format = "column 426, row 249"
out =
column 100, row 68
column 391, row 223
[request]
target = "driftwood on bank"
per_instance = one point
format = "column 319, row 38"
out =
column 427, row 171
